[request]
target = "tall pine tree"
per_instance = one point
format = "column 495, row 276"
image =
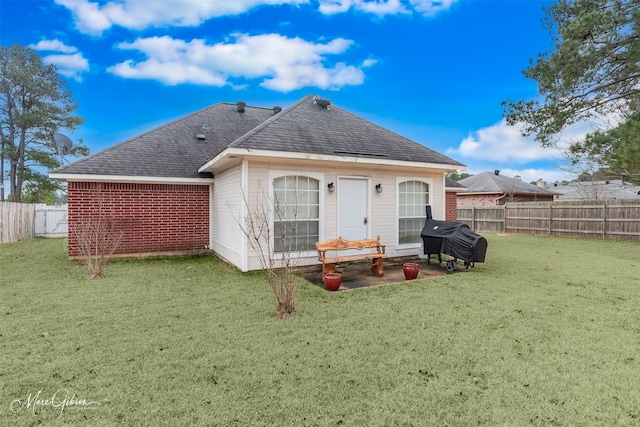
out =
column 34, row 103
column 592, row 72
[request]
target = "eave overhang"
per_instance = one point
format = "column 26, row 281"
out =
column 232, row 155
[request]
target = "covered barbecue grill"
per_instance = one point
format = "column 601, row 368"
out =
column 454, row 239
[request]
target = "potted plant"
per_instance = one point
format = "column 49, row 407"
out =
column 332, row 281
column 410, row 270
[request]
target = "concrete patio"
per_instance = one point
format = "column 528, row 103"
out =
column 357, row 275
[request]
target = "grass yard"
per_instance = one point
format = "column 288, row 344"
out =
column 546, row 332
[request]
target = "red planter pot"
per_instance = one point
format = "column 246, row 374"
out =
column 410, row 270
column 332, row 281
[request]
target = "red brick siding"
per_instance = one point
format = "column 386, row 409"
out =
column 451, row 206
column 153, row 217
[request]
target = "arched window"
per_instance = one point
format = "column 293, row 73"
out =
column 297, row 213
column 413, row 196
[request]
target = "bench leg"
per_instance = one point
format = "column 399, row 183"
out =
column 377, row 268
column 327, row 268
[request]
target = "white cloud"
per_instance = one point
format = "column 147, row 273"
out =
column 369, row 62
column 385, row 7
column 376, row 7
column 283, row 64
column 68, row 61
column 498, row 145
column 69, row 65
column 53, row 46
column 431, row 7
column 92, row 17
column 502, row 143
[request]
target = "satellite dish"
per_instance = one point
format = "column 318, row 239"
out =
column 63, row 141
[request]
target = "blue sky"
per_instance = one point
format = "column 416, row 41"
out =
column 433, row 71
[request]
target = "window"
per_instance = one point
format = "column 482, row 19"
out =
column 296, row 214
column 413, row 196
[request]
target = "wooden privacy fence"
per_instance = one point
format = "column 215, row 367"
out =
column 19, row 221
column 483, row 218
column 613, row 219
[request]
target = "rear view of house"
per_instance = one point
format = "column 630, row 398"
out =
column 190, row 184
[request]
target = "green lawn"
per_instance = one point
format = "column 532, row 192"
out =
column 546, row 332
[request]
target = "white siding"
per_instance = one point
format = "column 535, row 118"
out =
column 383, row 215
column 227, row 212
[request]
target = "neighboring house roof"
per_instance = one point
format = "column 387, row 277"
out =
column 611, row 189
column 452, row 185
column 307, row 126
column 491, row 183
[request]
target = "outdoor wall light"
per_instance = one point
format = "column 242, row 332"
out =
column 331, row 187
column 379, row 188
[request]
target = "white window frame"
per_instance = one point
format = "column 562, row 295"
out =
column 400, row 180
column 273, row 175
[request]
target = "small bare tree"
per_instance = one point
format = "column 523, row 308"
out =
column 274, row 246
column 97, row 239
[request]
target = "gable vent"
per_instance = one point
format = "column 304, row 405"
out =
column 240, row 106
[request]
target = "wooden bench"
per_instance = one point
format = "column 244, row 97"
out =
column 340, row 244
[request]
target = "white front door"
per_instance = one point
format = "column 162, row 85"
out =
column 352, row 208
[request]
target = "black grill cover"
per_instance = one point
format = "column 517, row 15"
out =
column 452, row 238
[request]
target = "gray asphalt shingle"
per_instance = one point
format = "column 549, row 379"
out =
column 174, row 150
column 307, row 127
column 489, row 182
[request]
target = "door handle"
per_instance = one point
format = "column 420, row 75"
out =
column 366, row 220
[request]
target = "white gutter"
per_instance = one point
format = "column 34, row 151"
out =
column 128, row 178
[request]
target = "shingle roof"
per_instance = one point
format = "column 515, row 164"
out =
column 173, row 150
column 308, row 127
column 489, row 182
column 612, row 189
column 449, row 183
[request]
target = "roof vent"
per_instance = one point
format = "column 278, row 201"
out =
column 201, row 136
column 276, row 109
column 240, row 105
column 497, row 171
column 321, row 102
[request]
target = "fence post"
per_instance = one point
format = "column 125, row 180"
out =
column 473, row 218
column 604, row 220
column 550, row 216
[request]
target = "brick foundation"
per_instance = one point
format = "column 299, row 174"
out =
column 154, row 218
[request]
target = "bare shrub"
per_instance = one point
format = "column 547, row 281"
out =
column 97, row 239
column 278, row 265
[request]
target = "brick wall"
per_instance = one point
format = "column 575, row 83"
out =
column 153, row 217
column 451, row 206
